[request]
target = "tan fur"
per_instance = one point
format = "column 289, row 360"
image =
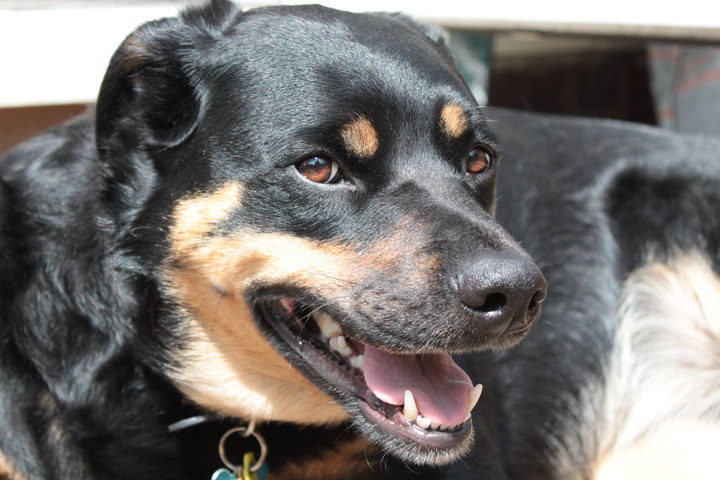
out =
column 360, row 137
column 7, row 471
column 228, row 365
column 453, row 120
column 350, row 458
column 196, row 216
column 404, row 252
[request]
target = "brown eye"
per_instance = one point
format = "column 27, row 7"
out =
column 318, row 169
column 479, row 160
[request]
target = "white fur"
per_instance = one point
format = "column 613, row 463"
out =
column 663, row 379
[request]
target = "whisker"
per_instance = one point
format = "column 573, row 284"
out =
column 336, row 278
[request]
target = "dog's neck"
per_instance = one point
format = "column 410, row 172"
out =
column 298, row 452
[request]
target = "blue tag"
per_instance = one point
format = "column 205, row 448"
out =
column 263, row 472
column 223, row 474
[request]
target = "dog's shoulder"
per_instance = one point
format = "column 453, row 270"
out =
column 43, row 173
column 48, row 188
column 66, row 318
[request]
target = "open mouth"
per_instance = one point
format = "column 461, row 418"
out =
column 422, row 398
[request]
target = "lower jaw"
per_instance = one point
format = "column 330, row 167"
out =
column 427, row 439
column 426, row 448
column 391, row 432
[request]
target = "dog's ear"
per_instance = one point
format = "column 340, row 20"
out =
column 148, row 97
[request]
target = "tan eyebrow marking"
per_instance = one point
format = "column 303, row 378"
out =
column 360, row 137
column 453, row 120
column 196, row 216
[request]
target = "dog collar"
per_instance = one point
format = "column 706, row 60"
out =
column 191, row 422
column 251, row 469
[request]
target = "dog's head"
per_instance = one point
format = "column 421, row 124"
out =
column 316, row 189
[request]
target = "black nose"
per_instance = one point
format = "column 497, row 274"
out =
column 504, row 291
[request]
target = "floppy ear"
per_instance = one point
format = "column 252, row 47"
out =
column 148, row 97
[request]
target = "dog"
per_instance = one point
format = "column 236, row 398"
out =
column 285, row 220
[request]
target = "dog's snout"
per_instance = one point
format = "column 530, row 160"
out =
column 503, row 291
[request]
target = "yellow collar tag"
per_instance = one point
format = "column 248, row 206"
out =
column 248, row 461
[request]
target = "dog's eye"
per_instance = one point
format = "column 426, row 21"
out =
column 479, row 160
column 319, row 169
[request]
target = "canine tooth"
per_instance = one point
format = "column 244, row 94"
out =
column 474, row 397
column 410, row 410
column 339, row 344
column 357, row 361
column 423, row 422
column 328, row 327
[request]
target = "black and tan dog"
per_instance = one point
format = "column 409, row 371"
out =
column 287, row 215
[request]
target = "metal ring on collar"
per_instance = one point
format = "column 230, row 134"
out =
column 244, row 432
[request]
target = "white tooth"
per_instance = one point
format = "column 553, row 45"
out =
column 467, row 418
column 340, row 345
column 358, row 361
column 328, row 326
column 410, row 410
column 423, row 422
column 344, row 348
column 434, row 426
column 474, row 397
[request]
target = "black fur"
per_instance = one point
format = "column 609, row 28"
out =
column 87, row 327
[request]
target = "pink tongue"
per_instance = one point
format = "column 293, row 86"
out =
column 441, row 388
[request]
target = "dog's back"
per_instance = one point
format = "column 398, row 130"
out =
column 621, row 378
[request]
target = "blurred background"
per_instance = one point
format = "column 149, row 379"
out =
column 649, row 62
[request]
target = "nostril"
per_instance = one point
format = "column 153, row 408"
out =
column 493, row 302
column 501, row 289
column 535, row 301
